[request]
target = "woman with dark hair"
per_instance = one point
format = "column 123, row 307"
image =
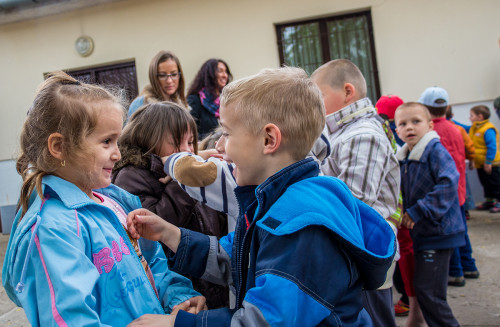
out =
column 166, row 82
column 203, row 94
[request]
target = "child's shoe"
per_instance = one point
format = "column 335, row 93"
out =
column 456, row 281
column 471, row 274
column 401, row 309
column 467, row 215
column 486, row 205
column 495, row 208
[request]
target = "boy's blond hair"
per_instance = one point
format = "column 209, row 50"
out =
column 410, row 104
column 286, row 97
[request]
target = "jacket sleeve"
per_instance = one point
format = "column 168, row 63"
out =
column 469, row 144
column 288, row 294
column 437, row 202
column 490, row 138
column 56, row 292
column 209, row 181
column 203, row 256
column 172, row 288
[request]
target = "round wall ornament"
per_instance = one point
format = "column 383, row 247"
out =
column 84, row 45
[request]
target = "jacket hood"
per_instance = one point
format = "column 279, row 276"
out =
column 368, row 238
column 418, row 149
column 132, row 156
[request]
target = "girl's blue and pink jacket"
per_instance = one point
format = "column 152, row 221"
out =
column 70, row 262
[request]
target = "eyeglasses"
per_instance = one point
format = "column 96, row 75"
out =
column 164, row 77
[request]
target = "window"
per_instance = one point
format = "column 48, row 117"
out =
column 121, row 75
column 309, row 44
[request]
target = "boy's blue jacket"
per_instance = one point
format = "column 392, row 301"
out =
column 429, row 183
column 303, row 250
column 70, row 262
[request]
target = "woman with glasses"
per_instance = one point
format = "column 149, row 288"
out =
column 166, row 82
column 203, row 94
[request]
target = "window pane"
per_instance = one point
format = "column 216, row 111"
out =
column 302, row 46
column 349, row 39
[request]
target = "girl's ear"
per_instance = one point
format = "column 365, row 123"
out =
column 272, row 138
column 55, row 145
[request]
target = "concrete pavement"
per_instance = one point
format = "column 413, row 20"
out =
column 476, row 304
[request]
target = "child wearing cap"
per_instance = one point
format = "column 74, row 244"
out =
column 386, row 107
column 436, row 100
column 431, row 209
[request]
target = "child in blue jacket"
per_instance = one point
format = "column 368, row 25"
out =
column 304, row 248
column 70, row 260
column 431, row 210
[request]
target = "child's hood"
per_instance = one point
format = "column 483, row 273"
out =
column 418, row 149
column 367, row 237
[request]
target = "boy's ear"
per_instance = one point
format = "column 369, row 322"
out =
column 431, row 125
column 55, row 145
column 272, row 138
column 350, row 92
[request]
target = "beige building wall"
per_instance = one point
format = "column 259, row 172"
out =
column 451, row 43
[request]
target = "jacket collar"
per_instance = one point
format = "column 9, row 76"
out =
column 418, row 149
column 272, row 188
column 72, row 197
column 360, row 108
column 478, row 124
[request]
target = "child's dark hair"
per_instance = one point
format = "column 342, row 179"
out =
column 481, row 110
column 206, row 78
column 62, row 105
column 148, row 126
column 436, row 111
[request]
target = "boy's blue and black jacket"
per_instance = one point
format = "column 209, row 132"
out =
column 303, row 250
column 429, row 183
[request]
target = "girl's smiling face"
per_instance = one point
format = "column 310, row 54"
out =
column 92, row 169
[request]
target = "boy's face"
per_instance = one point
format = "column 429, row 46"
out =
column 412, row 123
column 241, row 146
column 475, row 117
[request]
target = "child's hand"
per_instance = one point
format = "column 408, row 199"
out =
column 487, row 169
column 154, row 321
column 165, row 179
column 144, row 223
column 206, row 154
column 407, row 221
column 193, row 305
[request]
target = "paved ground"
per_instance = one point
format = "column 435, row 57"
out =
column 476, row 304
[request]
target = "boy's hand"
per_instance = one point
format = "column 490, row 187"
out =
column 151, row 320
column 407, row 221
column 487, row 169
column 193, row 305
column 144, row 223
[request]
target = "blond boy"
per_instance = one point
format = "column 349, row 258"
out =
column 298, row 256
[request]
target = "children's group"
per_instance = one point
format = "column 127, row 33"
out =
column 279, row 199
